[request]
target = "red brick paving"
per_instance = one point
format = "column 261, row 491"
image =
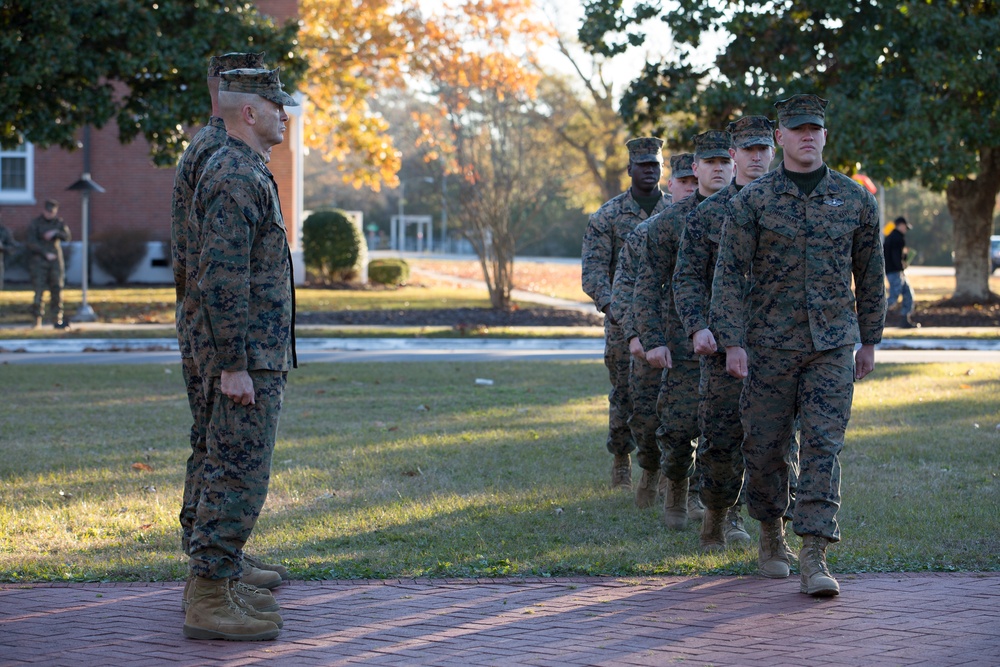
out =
column 887, row 619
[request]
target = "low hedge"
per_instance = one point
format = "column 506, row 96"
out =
column 388, row 271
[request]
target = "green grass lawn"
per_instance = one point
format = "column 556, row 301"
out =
column 409, row 470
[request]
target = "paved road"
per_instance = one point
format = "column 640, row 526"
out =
column 392, row 350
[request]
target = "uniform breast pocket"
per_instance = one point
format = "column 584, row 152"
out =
column 839, row 234
column 777, row 239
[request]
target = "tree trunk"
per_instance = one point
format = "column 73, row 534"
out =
column 971, row 202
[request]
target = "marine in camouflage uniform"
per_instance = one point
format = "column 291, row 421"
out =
column 185, row 251
column 644, row 379
column 7, row 246
column 46, row 234
column 663, row 337
column 720, row 455
column 244, row 347
column 803, row 232
column 602, row 242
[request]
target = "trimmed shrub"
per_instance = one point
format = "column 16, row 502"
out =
column 332, row 245
column 388, row 271
column 119, row 251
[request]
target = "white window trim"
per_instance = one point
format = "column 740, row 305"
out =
column 26, row 196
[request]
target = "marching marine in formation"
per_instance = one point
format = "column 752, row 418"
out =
column 719, row 456
column 644, row 380
column 606, row 233
column 803, row 232
column 663, row 337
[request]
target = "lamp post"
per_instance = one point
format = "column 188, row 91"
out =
column 85, row 186
column 444, row 211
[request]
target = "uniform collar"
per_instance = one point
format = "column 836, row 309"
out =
column 784, row 185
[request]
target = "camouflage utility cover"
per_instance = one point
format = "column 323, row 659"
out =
column 645, row 149
column 681, row 165
column 752, row 131
column 228, row 61
column 262, row 82
column 712, row 143
column 801, row 109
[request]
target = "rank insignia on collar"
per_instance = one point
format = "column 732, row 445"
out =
column 833, row 202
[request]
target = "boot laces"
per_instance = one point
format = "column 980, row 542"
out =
column 776, row 542
column 816, row 554
column 233, row 605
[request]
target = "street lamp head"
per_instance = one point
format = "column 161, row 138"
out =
column 86, row 184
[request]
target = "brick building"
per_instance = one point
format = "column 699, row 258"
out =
column 137, row 193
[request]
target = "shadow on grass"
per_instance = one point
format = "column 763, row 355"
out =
column 387, row 471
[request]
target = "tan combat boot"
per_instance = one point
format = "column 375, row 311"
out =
column 38, row 323
column 696, row 511
column 258, row 598
column 773, row 557
column 675, row 504
column 621, row 472
column 816, row 577
column 273, row 616
column 712, row 538
column 212, row 613
column 661, row 487
column 186, row 594
column 645, row 495
column 260, row 578
column 253, row 561
column 736, row 534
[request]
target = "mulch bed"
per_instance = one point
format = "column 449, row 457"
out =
column 941, row 315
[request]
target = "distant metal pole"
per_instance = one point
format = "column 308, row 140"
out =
column 85, row 186
column 444, row 211
column 85, row 313
column 401, row 236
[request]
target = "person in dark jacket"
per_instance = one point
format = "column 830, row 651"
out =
column 895, row 251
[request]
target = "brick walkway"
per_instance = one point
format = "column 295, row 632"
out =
column 886, row 619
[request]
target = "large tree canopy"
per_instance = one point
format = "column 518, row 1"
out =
column 139, row 62
column 913, row 88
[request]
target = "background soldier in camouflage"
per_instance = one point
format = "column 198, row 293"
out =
column 246, row 314
column 663, row 338
column 46, row 234
column 602, row 242
column 643, row 379
column 803, row 232
column 7, row 246
column 185, row 250
column 719, row 455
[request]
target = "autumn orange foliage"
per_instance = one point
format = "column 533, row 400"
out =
column 359, row 48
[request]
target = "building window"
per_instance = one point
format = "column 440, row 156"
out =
column 17, row 175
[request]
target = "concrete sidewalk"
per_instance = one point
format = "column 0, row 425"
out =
column 931, row 619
